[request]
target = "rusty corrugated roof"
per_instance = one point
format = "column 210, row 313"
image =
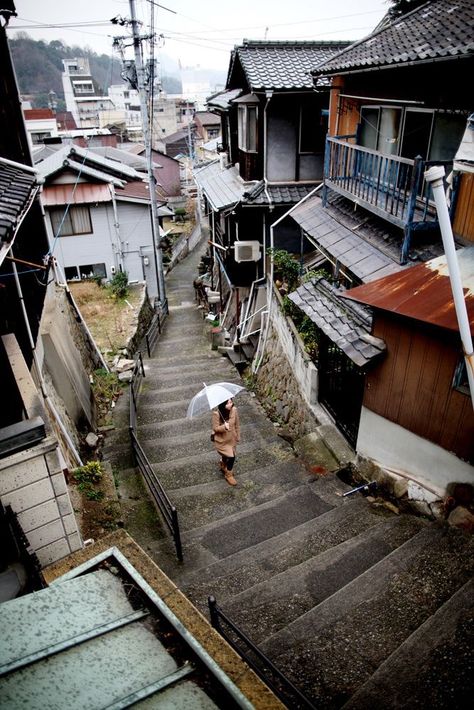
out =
column 81, row 194
column 422, row 292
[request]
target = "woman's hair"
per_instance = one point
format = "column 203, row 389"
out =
column 225, row 413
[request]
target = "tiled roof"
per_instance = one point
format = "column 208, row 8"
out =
column 17, row 190
column 437, row 29
column 35, row 114
column 282, row 65
column 365, row 244
column 222, row 187
column 363, row 259
column 79, row 159
column 206, row 118
column 423, row 292
column 223, row 99
column 279, row 194
column 347, row 327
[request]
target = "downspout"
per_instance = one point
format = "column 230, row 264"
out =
column 46, row 398
column 118, row 246
column 435, row 177
column 272, row 243
column 268, row 95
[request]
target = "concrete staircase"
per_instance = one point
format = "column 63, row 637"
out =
column 359, row 607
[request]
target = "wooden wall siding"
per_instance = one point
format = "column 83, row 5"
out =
column 464, row 218
column 412, row 386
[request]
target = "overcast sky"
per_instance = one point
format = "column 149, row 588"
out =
column 199, row 32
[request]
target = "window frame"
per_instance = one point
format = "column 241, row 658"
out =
column 246, row 113
column 70, row 220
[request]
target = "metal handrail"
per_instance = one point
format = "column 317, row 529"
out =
column 27, row 555
column 163, row 503
column 286, row 690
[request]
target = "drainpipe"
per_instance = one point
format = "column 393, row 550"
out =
column 272, row 244
column 435, row 176
column 118, row 248
column 268, row 95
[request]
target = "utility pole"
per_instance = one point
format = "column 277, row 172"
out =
column 141, row 83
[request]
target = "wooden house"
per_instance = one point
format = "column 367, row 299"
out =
column 398, row 105
column 273, row 130
column 417, row 415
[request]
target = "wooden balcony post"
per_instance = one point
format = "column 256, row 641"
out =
column 415, row 183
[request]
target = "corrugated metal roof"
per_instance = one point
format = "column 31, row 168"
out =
column 18, row 187
column 348, row 327
column 437, row 29
column 222, row 187
column 282, row 65
column 352, row 251
column 101, row 637
column 81, row 194
column 422, row 292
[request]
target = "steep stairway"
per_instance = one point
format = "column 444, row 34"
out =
column 352, row 602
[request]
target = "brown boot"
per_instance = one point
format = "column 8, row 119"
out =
column 229, row 477
column 222, row 466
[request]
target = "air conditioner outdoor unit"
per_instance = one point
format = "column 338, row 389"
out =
column 247, row 251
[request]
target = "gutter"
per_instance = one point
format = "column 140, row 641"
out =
column 395, row 65
column 268, row 95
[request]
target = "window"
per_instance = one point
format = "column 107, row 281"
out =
column 76, row 221
column 126, row 94
column 313, row 129
column 247, row 118
column 460, row 381
column 380, row 128
column 85, row 271
column 213, row 132
column 83, row 87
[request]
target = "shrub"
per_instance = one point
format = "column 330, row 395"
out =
column 119, row 285
column 285, row 266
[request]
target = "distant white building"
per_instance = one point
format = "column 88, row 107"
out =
column 82, row 95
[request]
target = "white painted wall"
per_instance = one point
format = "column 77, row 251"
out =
column 397, row 449
column 33, row 483
column 125, row 245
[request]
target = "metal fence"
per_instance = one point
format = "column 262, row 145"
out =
column 257, row 660
column 163, row 503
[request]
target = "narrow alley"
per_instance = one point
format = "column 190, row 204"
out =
column 314, row 578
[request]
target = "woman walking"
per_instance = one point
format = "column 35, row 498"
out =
column 226, row 436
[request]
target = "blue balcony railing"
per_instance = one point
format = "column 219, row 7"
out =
column 388, row 185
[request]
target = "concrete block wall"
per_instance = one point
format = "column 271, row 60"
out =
column 33, row 483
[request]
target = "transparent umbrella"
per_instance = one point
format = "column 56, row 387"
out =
column 210, row 396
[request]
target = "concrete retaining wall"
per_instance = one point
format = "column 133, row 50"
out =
column 33, row 483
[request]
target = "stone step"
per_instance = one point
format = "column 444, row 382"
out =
column 193, row 377
column 153, row 393
column 241, row 570
column 241, row 530
column 350, row 634
column 207, row 502
column 172, row 447
column 269, row 606
column 433, row 668
column 160, row 427
column 188, row 471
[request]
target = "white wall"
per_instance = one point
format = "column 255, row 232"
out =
column 398, row 449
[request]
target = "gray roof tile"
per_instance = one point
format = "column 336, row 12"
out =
column 282, row 65
column 279, row 194
column 346, row 327
column 223, row 187
column 17, row 189
column 439, row 28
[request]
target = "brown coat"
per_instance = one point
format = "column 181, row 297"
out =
column 225, row 441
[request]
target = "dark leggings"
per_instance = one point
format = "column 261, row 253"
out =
column 228, row 462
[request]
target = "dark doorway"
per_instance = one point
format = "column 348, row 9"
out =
column 341, row 388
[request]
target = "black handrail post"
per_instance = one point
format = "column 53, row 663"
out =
column 148, row 344
column 211, row 601
column 141, row 363
column 176, row 534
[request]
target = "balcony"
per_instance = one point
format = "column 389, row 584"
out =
column 390, row 186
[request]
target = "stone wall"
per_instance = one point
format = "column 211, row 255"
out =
column 286, row 381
